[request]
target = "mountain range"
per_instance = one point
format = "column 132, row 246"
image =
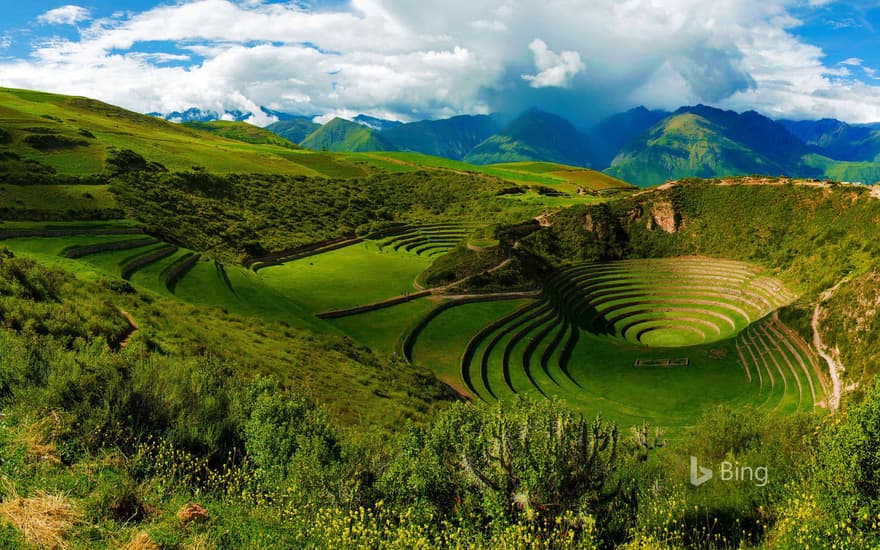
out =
column 642, row 146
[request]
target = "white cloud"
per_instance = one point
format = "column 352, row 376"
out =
column 556, row 70
column 852, row 61
column 409, row 60
column 65, row 15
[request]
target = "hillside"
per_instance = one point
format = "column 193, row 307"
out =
column 706, row 142
column 294, row 130
column 615, row 132
column 345, row 136
column 838, row 140
column 452, row 138
column 573, row 177
column 242, row 131
column 534, row 136
column 47, row 133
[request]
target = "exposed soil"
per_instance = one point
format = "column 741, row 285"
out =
column 831, row 356
column 133, row 328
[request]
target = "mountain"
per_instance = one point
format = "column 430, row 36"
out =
column 451, row 138
column 242, row 131
column 294, row 129
column 195, row 114
column 837, row 139
column 704, row 141
column 376, row 123
column 343, row 135
column 535, row 135
column 614, row 133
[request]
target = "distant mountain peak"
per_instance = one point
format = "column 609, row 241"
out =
column 346, row 136
column 375, row 123
column 534, row 135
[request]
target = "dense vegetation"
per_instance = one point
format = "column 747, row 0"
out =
column 236, row 217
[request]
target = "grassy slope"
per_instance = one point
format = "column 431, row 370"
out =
column 58, row 197
column 861, row 171
column 242, row 131
column 174, row 146
column 687, row 145
column 562, row 176
column 343, row 135
column 294, row 130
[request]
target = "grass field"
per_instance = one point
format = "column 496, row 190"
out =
column 560, row 176
column 441, row 343
column 57, row 197
column 381, row 329
column 351, row 276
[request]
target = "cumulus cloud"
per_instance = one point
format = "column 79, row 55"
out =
column 556, row 70
column 411, row 60
column 65, row 15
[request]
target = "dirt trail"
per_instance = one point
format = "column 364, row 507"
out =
column 133, row 328
column 831, row 356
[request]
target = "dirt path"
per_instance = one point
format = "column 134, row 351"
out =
column 831, row 356
column 133, row 328
column 453, row 284
column 395, row 300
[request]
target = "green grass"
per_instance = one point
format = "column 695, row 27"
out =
column 536, row 199
column 566, row 178
column 381, row 329
column 241, row 131
column 57, row 197
column 172, row 145
column 347, row 277
column 441, row 343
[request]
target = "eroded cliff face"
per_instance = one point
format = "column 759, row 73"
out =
column 663, row 216
column 600, row 227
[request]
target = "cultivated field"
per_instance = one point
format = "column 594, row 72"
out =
column 660, row 340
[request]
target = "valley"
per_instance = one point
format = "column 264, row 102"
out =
column 380, row 298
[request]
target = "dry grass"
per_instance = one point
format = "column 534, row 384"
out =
column 38, row 439
column 141, row 541
column 43, row 519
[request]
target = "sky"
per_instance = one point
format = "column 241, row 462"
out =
column 410, row 60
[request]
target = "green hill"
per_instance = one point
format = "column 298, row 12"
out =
column 295, row 130
column 44, row 133
column 837, row 139
column 242, row 131
column 573, row 177
column 617, row 131
column 451, row 138
column 535, row 135
column 706, row 142
column 346, row 136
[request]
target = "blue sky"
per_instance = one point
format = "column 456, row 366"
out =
column 844, row 31
column 409, row 60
